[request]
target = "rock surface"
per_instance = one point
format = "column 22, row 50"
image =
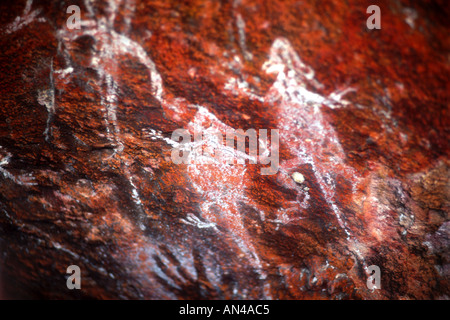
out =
column 86, row 176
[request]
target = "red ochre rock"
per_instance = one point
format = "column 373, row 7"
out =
column 87, row 179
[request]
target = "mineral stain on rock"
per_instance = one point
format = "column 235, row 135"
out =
column 87, row 178
column 298, row 177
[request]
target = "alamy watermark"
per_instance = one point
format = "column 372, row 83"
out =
column 74, row 281
column 374, row 280
column 74, row 21
column 374, row 21
column 213, row 147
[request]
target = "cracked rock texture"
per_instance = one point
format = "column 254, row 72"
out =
column 86, row 176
